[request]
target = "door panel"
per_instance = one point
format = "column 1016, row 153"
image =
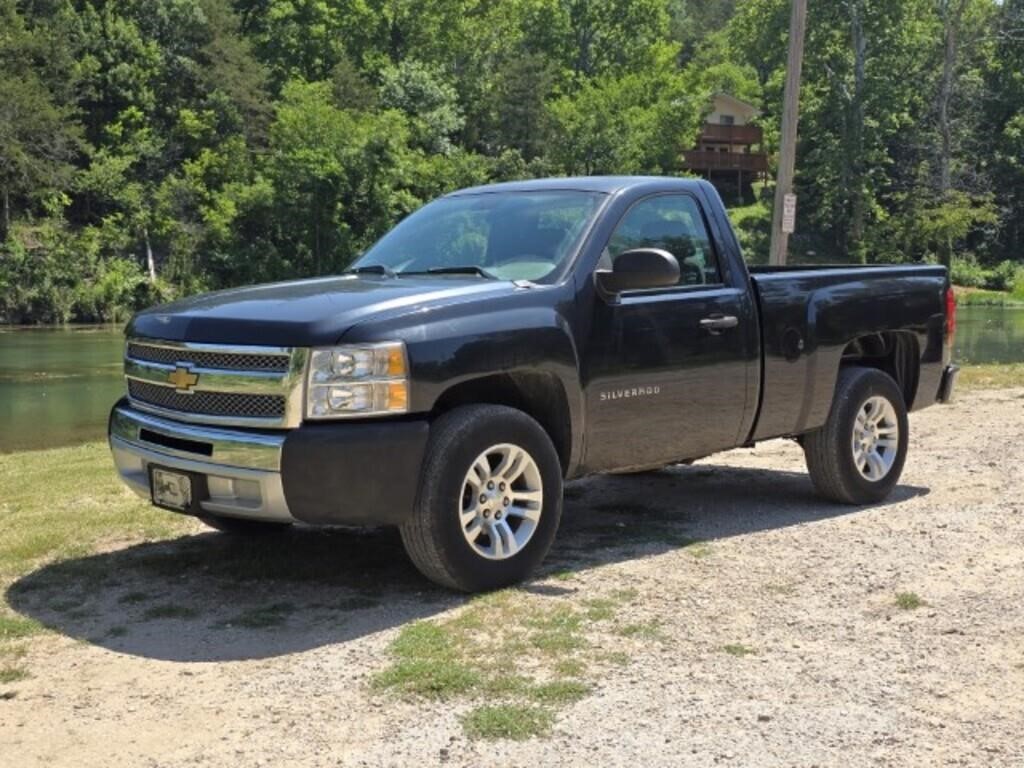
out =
column 667, row 374
column 662, row 388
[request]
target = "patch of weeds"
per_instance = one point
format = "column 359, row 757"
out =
column 570, row 668
column 427, row 663
column 739, row 650
column 600, row 609
column 908, row 601
column 780, row 589
column 264, row 617
column 559, row 692
column 12, row 675
column 170, row 611
column 616, row 658
column 16, row 627
column 453, row 657
column 565, row 575
column 557, row 631
column 645, row 630
column 625, row 595
column 506, row 686
column 508, row 721
column 133, row 597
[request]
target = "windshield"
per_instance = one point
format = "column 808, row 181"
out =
column 507, row 235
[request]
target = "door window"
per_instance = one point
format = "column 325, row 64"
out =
column 672, row 223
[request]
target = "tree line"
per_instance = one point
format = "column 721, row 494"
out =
column 156, row 148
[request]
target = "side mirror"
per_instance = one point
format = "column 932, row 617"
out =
column 639, row 268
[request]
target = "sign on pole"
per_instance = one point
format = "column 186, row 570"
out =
column 789, row 213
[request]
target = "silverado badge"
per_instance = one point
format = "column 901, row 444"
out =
column 183, row 378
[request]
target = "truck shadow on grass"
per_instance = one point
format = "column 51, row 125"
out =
column 213, row 597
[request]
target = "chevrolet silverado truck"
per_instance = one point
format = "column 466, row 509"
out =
column 503, row 339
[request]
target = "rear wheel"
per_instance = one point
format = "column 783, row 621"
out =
column 243, row 527
column 490, row 499
column 858, row 455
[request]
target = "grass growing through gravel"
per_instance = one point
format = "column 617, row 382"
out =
column 508, row 721
column 12, row 674
column 908, row 601
column 516, row 656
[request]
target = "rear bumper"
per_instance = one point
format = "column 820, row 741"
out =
column 948, row 383
column 364, row 473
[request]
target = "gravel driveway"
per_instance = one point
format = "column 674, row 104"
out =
column 771, row 629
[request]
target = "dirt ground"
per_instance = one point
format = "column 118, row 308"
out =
column 798, row 633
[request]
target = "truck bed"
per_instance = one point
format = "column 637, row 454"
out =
column 807, row 315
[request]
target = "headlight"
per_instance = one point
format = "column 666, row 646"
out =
column 357, row 380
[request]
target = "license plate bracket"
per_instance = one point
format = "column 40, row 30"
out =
column 176, row 490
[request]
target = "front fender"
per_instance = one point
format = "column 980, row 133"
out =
column 526, row 332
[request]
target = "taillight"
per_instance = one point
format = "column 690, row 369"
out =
column 950, row 315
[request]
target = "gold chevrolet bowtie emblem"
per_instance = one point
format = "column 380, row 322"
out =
column 183, row 379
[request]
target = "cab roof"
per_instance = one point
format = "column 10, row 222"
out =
column 607, row 185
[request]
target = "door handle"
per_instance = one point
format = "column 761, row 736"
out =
column 718, row 323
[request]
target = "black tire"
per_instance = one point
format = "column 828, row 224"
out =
column 829, row 450
column 242, row 527
column 433, row 535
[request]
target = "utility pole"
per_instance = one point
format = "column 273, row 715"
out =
column 787, row 143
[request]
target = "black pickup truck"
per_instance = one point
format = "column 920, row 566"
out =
column 505, row 338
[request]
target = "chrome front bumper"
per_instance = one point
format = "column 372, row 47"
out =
column 242, row 469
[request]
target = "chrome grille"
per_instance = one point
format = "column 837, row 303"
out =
column 209, row 403
column 209, row 359
column 217, row 384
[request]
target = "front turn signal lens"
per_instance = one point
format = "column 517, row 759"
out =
column 398, row 397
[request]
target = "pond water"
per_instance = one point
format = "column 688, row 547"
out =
column 57, row 384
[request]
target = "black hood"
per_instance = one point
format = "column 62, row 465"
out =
column 303, row 312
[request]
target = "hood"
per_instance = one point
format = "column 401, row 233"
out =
column 304, row 312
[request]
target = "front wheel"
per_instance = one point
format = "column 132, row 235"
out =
column 858, row 455
column 490, row 499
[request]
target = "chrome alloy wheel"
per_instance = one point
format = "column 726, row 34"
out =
column 501, row 503
column 876, row 437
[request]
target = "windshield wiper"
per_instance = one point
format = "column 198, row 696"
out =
column 468, row 269
column 372, row 269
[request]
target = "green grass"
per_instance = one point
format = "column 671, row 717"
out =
column 12, row 675
column 994, row 376
column 18, row 627
column 908, row 601
column 558, row 692
column 522, row 654
column 966, row 297
column 508, row 721
column 738, row 649
column 62, row 503
column 645, row 630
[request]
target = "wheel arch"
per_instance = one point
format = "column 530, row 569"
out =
column 895, row 353
column 538, row 394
